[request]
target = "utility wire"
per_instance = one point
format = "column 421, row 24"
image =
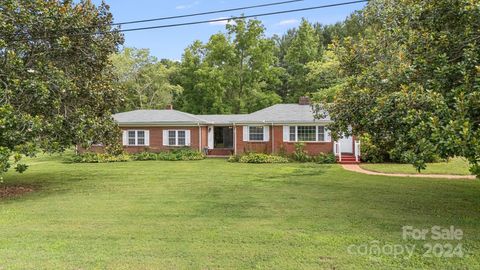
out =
column 208, row 12
column 237, row 17
column 213, row 20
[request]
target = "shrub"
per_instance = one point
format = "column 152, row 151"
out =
column 99, row 158
column 371, row 152
column 234, row 158
column 258, row 158
column 181, row 154
column 325, row 158
column 145, row 156
column 300, row 154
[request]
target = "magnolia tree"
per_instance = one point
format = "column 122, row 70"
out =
column 55, row 77
column 414, row 80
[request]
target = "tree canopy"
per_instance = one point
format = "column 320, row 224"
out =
column 145, row 82
column 55, row 76
column 414, row 80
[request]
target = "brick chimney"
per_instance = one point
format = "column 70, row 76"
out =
column 169, row 107
column 304, row 100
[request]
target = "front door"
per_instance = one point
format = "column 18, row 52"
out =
column 223, row 137
column 346, row 144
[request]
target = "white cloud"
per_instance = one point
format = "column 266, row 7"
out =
column 288, row 22
column 224, row 21
column 186, row 6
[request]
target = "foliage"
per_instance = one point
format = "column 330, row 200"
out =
column 325, row 77
column 146, row 82
column 173, row 155
column 258, row 158
column 143, row 156
column 300, row 154
column 233, row 72
column 413, row 80
column 181, row 154
column 90, row 157
column 324, row 158
column 55, row 79
column 304, row 48
column 371, row 152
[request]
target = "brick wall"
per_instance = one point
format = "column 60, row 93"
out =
column 313, row 148
column 156, row 140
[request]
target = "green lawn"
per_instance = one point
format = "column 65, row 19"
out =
column 453, row 166
column 216, row 215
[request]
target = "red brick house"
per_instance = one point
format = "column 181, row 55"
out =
column 274, row 129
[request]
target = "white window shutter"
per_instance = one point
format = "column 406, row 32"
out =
column 165, row 137
column 328, row 137
column 147, row 137
column 187, row 138
column 210, row 137
column 245, row 133
column 286, row 133
column 124, row 137
column 266, row 133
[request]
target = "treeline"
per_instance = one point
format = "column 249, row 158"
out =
column 237, row 71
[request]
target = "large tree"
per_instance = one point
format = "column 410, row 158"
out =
column 304, row 47
column 145, row 81
column 234, row 72
column 55, row 76
column 414, row 84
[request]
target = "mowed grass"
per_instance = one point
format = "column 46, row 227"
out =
column 458, row 166
column 216, row 215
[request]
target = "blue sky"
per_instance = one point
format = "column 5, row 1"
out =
column 170, row 42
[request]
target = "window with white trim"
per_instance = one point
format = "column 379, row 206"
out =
column 136, row 137
column 177, row 138
column 321, row 134
column 255, row 133
column 307, row 134
column 293, row 133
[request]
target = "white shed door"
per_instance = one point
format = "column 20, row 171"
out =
column 346, row 143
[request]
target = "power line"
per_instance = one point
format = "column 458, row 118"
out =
column 215, row 20
column 237, row 17
column 207, row 12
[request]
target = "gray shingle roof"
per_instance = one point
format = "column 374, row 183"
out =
column 278, row 114
column 222, row 118
column 157, row 117
column 284, row 113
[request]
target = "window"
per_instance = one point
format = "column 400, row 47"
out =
column 176, row 137
column 136, row 137
column 321, row 134
column 181, row 137
column 255, row 133
column 293, row 133
column 132, row 137
column 307, row 133
column 172, row 140
column 141, row 137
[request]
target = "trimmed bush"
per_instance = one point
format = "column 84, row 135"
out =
column 144, row 156
column 258, row 158
column 173, row 155
column 99, row 158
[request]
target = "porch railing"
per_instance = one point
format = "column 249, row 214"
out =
column 357, row 151
column 337, row 150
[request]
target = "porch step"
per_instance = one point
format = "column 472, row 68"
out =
column 347, row 159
